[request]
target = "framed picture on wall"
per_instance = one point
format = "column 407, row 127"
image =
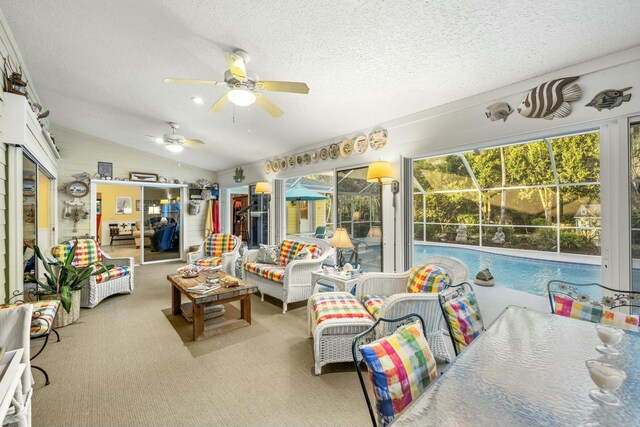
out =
column 105, row 170
column 137, row 205
column 143, row 177
column 123, row 205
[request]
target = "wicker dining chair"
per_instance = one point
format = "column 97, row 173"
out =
column 461, row 312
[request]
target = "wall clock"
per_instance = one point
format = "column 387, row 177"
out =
column 77, row 189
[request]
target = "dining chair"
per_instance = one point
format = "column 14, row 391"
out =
column 577, row 301
column 462, row 314
column 400, row 366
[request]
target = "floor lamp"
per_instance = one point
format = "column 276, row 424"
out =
column 381, row 172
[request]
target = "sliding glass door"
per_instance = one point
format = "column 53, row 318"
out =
column 634, row 173
column 258, row 218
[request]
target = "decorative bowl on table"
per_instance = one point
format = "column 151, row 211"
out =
column 608, row 379
column 190, row 271
column 609, row 336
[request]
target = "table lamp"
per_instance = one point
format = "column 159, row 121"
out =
column 341, row 241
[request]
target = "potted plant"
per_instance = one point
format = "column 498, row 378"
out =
column 64, row 281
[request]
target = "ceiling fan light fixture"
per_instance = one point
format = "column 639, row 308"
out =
column 159, row 140
column 241, row 97
column 174, row 148
column 197, row 100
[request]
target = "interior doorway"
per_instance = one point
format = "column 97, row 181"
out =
column 249, row 215
column 117, row 216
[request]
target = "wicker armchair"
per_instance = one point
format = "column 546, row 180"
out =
column 225, row 255
column 398, row 302
column 296, row 279
column 119, row 279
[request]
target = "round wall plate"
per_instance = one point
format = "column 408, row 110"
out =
column 346, row 148
column 306, row 159
column 77, row 189
column 283, row 163
column 275, row 166
column 360, row 144
column 299, row 159
column 324, row 153
column 334, row 151
column 315, row 156
column 267, row 167
column 291, row 161
column 378, row 139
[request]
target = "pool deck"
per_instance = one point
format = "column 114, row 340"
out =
column 495, row 299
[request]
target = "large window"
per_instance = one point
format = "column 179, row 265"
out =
column 542, row 195
column 309, row 201
column 635, row 204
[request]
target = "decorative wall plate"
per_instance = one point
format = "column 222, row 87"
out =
column 334, row 151
column 378, row 139
column 283, row 163
column 324, row 153
column 346, row 148
column 315, row 156
column 267, row 167
column 275, row 166
column 299, row 159
column 360, row 144
column 291, row 161
column 306, row 159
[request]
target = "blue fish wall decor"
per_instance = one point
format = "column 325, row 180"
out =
column 551, row 99
column 609, row 99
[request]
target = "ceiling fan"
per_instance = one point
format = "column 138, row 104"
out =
column 173, row 141
column 244, row 90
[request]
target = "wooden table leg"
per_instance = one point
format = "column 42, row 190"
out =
column 176, row 299
column 245, row 308
column 198, row 321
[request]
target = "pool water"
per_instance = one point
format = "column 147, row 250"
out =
column 522, row 274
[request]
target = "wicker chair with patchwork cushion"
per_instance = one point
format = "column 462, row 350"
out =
column 462, row 313
column 217, row 250
column 118, row 280
column 285, row 273
column 576, row 301
column 393, row 295
column 401, row 366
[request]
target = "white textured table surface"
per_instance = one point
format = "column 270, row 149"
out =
column 528, row 369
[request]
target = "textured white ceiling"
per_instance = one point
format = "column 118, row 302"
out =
column 98, row 65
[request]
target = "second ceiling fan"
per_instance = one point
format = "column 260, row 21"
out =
column 243, row 90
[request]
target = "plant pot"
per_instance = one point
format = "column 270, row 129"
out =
column 63, row 318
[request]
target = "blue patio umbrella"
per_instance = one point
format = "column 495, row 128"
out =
column 299, row 192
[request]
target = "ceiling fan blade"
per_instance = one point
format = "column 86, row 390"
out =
column 193, row 81
column 235, row 63
column 193, row 141
column 220, row 104
column 268, row 106
column 292, row 87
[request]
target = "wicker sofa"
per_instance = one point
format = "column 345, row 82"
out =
column 391, row 288
column 289, row 282
column 217, row 249
column 119, row 279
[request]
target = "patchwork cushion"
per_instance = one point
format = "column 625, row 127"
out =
column 620, row 320
column 400, row 367
column 464, row 318
column 302, row 255
column 275, row 273
column 209, row 261
column 568, row 307
column 373, row 304
column 290, row 248
column 338, row 306
column 114, row 273
column 217, row 244
column 268, row 254
column 44, row 312
column 87, row 252
column 427, row 278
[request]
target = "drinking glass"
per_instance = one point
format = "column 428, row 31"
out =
column 609, row 337
column 608, row 379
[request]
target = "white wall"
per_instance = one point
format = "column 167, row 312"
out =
column 463, row 124
column 81, row 153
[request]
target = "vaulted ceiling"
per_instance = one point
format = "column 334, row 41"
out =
column 98, row 65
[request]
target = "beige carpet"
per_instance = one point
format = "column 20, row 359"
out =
column 128, row 362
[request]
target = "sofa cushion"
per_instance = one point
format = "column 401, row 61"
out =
column 427, row 278
column 268, row 254
column 217, row 244
column 464, row 319
column 114, row 273
column 302, row 255
column 42, row 316
column 290, row 248
column 373, row 304
column 275, row 273
column 338, row 306
column 568, row 307
column 209, row 261
column 87, row 252
column 400, row 366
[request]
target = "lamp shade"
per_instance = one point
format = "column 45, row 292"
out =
column 341, row 239
column 380, row 172
column 263, row 187
column 375, row 231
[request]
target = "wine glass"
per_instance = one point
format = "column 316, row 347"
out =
column 608, row 379
column 609, row 337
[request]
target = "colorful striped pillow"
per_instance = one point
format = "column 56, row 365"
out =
column 568, row 307
column 87, row 252
column 464, row 319
column 427, row 278
column 217, row 244
column 400, row 366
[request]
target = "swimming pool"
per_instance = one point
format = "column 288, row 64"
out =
column 522, row 274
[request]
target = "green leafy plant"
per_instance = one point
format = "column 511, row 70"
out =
column 62, row 277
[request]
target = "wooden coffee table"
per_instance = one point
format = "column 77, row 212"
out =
column 179, row 286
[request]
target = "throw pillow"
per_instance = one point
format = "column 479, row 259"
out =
column 568, row 307
column 268, row 254
column 427, row 278
column 464, row 318
column 400, row 367
column 303, row 254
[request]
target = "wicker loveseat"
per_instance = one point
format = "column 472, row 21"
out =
column 119, row 279
column 289, row 280
column 386, row 295
column 217, row 249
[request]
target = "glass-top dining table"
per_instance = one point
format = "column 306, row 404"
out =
column 528, row 369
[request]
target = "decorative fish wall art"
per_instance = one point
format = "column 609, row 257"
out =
column 498, row 111
column 551, row 99
column 610, row 99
